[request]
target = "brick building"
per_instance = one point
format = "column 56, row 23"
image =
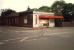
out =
column 30, row 18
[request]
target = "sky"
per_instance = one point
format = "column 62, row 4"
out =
column 21, row 5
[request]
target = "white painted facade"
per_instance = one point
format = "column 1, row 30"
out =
column 35, row 20
column 40, row 23
column 51, row 23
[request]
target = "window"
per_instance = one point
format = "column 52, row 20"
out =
column 36, row 19
column 25, row 20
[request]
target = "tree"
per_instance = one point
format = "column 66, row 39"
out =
column 44, row 8
column 57, row 7
column 68, row 12
column 6, row 12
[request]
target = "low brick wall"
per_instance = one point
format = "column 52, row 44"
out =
column 68, row 24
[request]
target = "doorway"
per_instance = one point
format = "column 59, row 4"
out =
column 44, row 22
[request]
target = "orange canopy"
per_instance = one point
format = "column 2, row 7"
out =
column 44, row 16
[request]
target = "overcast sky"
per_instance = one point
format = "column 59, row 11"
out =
column 21, row 5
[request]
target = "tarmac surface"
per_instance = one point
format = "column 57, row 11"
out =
column 20, row 38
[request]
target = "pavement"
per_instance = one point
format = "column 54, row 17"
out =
column 20, row 38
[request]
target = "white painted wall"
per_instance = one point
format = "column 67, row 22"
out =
column 43, row 13
column 36, row 13
column 51, row 23
column 34, row 20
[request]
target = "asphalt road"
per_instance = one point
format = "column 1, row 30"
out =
column 40, row 39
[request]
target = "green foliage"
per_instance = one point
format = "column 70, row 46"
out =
column 6, row 12
column 57, row 7
column 44, row 8
column 68, row 11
